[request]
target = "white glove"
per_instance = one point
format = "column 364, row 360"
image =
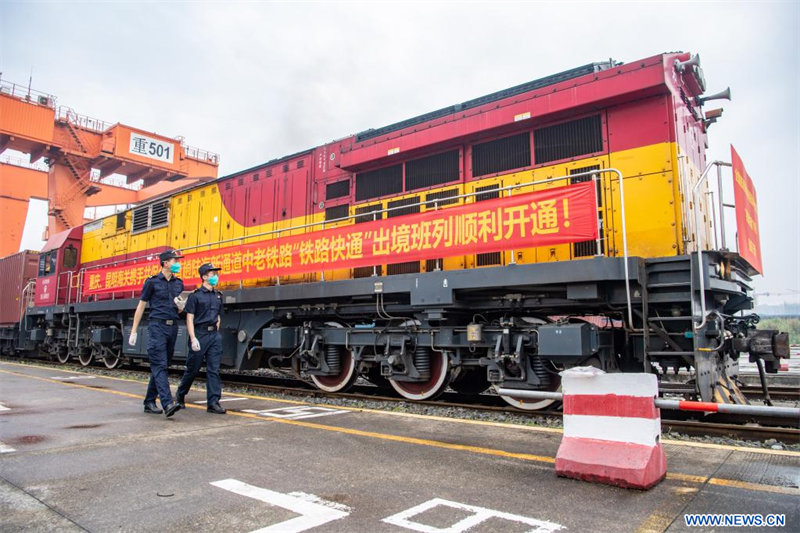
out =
column 132, row 338
column 195, row 345
column 179, row 303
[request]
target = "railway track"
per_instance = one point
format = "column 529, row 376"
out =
column 776, row 393
column 693, row 424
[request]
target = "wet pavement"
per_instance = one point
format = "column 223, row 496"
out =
column 77, row 453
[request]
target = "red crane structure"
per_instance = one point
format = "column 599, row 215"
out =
column 81, row 153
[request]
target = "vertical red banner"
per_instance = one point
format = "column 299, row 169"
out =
column 744, row 193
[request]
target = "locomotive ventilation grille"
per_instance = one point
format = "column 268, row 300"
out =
column 432, row 170
column 337, row 189
column 381, row 182
column 569, row 139
column 150, row 217
column 501, row 154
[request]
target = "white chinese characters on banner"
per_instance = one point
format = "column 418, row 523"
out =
column 145, row 146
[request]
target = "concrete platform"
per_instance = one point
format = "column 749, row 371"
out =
column 77, row 453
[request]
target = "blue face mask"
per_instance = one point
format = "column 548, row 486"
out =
column 175, row 268
column 213, row 280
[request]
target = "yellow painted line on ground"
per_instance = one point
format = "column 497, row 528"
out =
column 728, row 447
column 505, row 425
column 344, row 407
column 686, row 477
column 312, row 425
column 722, row 482
column 432, row 443
column 422, row 442
column 746, row 485
column 71, row 384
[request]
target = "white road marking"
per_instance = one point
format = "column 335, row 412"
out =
column 297, row 413
column 4, row 408
column 479, row 515
column 223, row 400
column 316, row 499
column 5, row 448
column 312, row 510
column 71, row 378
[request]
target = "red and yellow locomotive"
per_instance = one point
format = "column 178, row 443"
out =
column 561, row 222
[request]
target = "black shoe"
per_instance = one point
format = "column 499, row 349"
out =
column 180, row 401
column 152, row 408
column 171, row 410
column 216, row 408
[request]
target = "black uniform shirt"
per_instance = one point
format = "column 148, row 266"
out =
column 205, row 305
column 161, row 292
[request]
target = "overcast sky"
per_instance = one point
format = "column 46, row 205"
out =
column 254, row 81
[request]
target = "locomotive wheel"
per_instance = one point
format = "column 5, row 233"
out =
column 342, row 381
column 85, row 358
column 471, row 381
column 112, row 360
column 535, row 405
column 62, row 356
column 433, row 387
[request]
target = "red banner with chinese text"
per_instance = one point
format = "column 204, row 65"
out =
column 542, row 218
column 744, row 193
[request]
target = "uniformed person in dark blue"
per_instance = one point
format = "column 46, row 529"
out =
column 162, row 291
column 203, row 310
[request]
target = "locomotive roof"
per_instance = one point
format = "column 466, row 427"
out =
column 493, row 97
column 576, row 72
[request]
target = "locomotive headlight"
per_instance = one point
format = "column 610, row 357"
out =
column 721, row 270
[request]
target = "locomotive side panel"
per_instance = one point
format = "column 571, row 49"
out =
column 641, row 147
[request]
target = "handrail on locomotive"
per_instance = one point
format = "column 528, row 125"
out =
column 699, row 249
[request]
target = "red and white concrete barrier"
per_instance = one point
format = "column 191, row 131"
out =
column 612, row 425
column 612, row 429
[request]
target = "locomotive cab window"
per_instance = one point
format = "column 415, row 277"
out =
column 70, row 259
column 47, row 263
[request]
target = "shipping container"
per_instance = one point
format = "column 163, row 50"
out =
column 15, row 272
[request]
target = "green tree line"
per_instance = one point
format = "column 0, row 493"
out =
column 790, row 325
